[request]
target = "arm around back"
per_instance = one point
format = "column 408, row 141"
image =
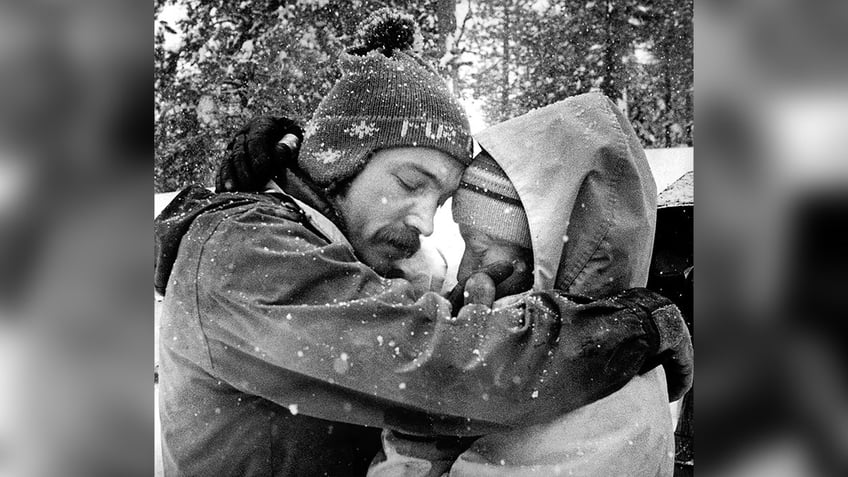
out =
column 261, row 302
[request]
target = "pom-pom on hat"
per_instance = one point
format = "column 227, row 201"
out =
column 487, row 201
column 387, row 97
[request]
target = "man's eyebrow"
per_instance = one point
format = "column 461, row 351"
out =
column 429, row 174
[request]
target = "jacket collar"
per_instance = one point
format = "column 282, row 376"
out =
column 316, row 218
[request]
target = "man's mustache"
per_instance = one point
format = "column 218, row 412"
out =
column 404, row 238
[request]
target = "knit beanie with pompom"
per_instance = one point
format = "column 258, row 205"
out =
column 487, row 201
column 387, row 97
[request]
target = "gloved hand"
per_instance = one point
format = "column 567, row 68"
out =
column 254, row 157
column 481, row 289
column 674, row 352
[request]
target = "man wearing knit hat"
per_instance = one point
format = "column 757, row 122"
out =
column 282, row 336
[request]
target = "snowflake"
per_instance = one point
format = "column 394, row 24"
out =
column 361, row 130
column 310, row 128
column 329, row 156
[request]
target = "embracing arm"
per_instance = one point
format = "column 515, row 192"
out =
column 548, row 353
column 288, row 317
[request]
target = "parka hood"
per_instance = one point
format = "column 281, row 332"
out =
column 588, row 192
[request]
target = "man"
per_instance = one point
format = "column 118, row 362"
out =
column 281, row 337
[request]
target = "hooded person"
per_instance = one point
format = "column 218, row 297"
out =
column 282, row 338
column 566, row 193
column 590, row 202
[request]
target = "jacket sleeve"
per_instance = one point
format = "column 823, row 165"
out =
column 302, row 323
column 544, row 355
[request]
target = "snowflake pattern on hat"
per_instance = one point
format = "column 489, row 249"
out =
column 310, row 129
column 362, row 129
column 328, row 156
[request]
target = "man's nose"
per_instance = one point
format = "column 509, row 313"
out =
column 420, row 217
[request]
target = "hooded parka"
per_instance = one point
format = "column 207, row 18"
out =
column 590, row 200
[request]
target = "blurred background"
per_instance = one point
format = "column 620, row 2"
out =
column 771, row 105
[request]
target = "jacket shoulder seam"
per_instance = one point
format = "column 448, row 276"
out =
column 196, row 291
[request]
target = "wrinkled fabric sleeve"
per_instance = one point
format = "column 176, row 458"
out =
column 302, row 323
column 544, row 355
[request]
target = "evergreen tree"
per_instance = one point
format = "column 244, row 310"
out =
column 237, row 60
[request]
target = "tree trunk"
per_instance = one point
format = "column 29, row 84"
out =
column 446, row 21
column 507, row 26
column 446, row 18
column 667, row 115
column 611, row 54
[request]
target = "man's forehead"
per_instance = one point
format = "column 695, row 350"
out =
column 435, row 165
column 436, row 173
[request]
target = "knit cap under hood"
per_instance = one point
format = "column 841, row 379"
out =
column 487, row 201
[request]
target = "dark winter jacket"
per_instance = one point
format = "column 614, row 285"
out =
column 277, row 345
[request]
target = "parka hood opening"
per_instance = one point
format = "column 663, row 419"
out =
column 587, row 190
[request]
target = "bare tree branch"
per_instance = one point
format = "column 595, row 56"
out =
column 462, row 27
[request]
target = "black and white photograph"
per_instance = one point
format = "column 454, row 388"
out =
column 442, row 238
column 424, row 238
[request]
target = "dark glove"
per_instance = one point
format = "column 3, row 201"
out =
column 674, row 351
column 254, row 157
column 480, row 288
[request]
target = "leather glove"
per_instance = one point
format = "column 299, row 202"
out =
column 480, row 289
column 254, row 156
column 674, row 351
